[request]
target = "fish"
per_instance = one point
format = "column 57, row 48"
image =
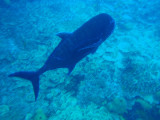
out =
column 72, row 48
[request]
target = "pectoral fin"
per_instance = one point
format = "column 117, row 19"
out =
column 92, row 47
column 64, row 35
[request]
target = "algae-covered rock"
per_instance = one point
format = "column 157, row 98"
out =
column 28, row 116
column 40, row 115
column 4, row 109
column 121, row 118
column 8, row 2
column 157, row 96
column 144, row 104
column 149, row 98
column 118, row 105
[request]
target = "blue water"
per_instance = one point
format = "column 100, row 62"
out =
column 120, row 81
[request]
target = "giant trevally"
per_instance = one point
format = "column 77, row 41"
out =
column 73, row 47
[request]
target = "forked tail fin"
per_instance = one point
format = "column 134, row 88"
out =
column 31, row 76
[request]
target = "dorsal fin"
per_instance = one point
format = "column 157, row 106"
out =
column 64, row 35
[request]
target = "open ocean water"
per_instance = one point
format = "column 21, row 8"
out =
column 120, row 81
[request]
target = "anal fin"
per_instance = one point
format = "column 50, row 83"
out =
column 92, row 47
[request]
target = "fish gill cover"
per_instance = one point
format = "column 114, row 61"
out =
column 121, row 80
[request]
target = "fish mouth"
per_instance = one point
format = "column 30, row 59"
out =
column 112, row 25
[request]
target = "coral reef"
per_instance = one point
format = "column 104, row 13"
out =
column 4, row 109
column 118, row 105
column 119, row 81
column 139, row 77
column 77, row 113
